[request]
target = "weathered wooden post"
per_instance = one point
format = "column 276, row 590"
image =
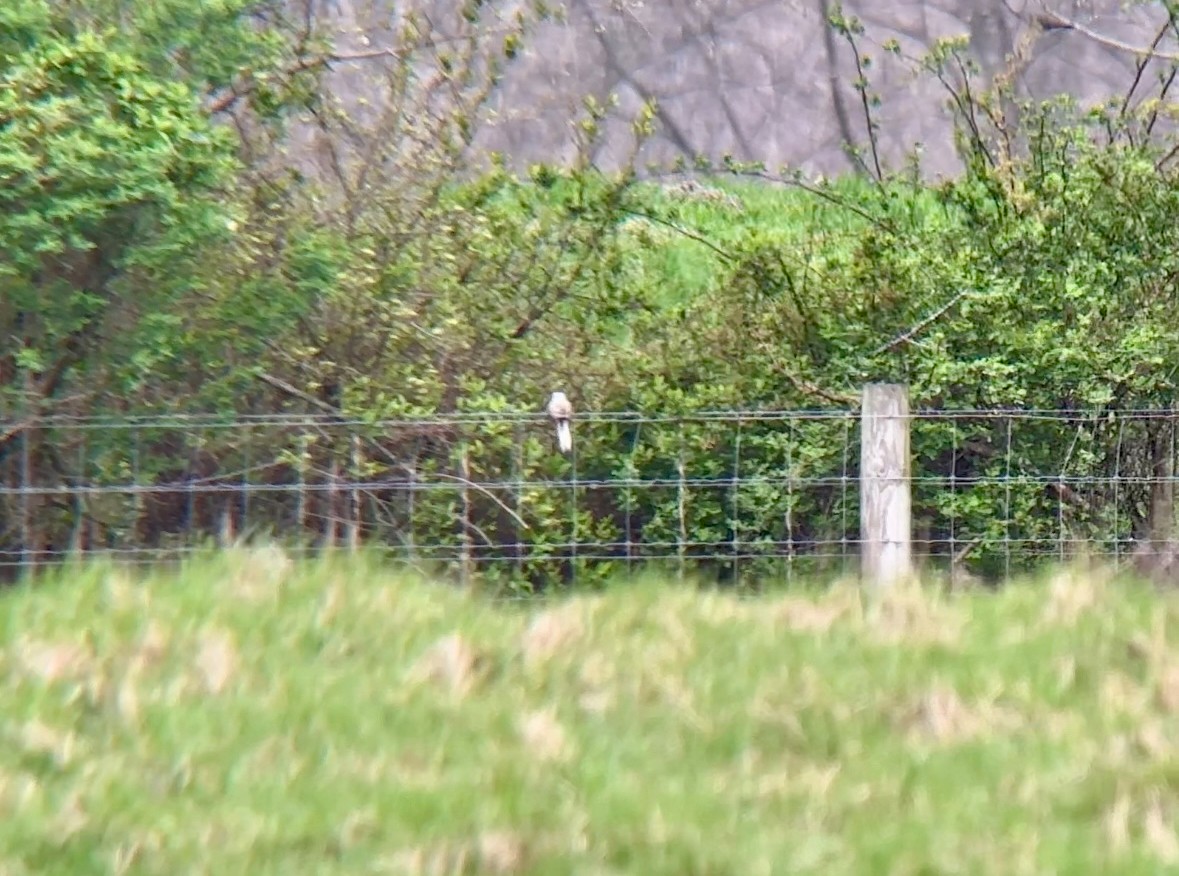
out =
column 885, row 502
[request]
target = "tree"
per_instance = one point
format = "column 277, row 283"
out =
column 108, row 171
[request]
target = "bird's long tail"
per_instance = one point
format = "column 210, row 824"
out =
column 564, row 436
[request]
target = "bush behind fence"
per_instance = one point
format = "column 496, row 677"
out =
column 730, row 494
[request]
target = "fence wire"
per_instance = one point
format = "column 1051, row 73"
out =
column 729, row 494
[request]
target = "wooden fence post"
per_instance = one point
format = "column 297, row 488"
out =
column 885, row 501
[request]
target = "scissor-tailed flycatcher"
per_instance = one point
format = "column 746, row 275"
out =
column 562, row 413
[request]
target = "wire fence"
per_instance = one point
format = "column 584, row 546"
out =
column 729, row 494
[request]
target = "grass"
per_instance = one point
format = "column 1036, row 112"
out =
column 686, row 252
column 689, row 243
column 252, row 715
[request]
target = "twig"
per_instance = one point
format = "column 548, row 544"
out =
column 280, row 384
column 1140, row 68
column 966, row 551
column 879, row 221
column 686, row 232
column 921, row 326
column 225, row 100
column 12, row 430
column 869, row 122
column 291, row 390
column 1056, row 21
column 807, row 388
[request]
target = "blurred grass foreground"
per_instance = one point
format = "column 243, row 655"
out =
column 253, row 714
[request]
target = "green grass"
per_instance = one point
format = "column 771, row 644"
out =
column 251, row 715
column 688, row 242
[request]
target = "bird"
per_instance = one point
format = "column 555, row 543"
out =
column 561, row 410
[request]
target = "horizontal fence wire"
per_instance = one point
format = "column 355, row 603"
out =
column 732, row 495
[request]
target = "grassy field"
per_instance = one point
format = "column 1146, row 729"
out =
column 686, row 250
column 252, row 715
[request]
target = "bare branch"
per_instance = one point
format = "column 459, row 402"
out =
column 284, row 386
column 686, row 232
column 225, row 100
column 1055, row 21
column 866, row 105
column 817, row 191
column 806, row 387
column 1140, row 67
column 921, row 326
column 293, row 391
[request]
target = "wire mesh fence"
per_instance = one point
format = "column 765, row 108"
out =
column 730, row 494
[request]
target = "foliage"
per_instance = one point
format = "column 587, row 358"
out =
column 203, row 213
column 104, row 167
column 1042, row 278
